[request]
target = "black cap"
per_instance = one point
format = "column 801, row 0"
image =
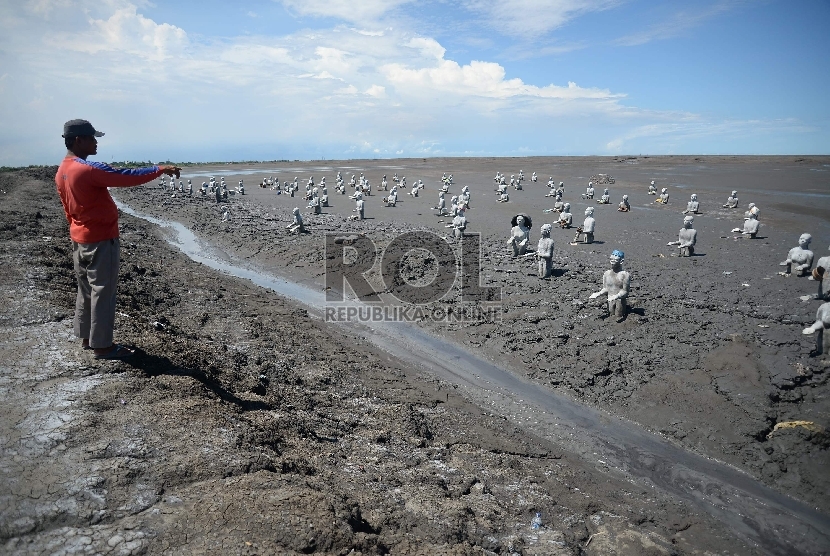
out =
column 78, row 128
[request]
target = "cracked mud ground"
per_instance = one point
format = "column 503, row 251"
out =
column 245, row 427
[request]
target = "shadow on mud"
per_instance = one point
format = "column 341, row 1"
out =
column 155, row 365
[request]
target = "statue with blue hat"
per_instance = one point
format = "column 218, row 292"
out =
column 616, row 283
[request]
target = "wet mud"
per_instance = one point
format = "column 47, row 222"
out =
column 247, row 426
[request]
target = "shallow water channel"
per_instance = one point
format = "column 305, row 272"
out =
column 772, row 521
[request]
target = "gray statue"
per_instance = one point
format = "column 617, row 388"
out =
column 651, row 189
column 818, row 328
column 693, row 206
column 751, row 225
column 664, row 197
column 800, row 256
column 459, row 223
column 589, row 191
column 687, row 238
column 587, row 228
column 558, row 205
column 296, row 226
column 821, row 275
column 520, row 234
column 544, row 253
column 732, row 201
column 624, row 206
column 565, row 217
column 605, row 199
column 616, row 283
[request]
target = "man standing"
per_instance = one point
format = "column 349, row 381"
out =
column 93, row 228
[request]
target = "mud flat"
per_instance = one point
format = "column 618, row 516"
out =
column 247, row 426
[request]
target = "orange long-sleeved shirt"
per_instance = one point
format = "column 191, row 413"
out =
column 90, row 210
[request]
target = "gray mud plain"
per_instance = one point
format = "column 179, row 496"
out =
column 245, row 426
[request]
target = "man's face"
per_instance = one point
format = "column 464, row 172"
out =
column 85, row 145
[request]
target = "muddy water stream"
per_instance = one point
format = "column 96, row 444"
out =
column 776, row 523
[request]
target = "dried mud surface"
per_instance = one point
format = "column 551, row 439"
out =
column 244, row 426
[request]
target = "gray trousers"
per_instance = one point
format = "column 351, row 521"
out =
column 96, row 268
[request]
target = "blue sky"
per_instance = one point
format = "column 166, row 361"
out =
column 311, row 79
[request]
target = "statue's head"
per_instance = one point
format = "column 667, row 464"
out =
column 589, row 211
column 625, row 197
column 804, row 240
column 664, row 190
column 694, row 197
column 567, row 207
column 520, row 220
column 688, row 221
column 545, row 230
column 616, row 257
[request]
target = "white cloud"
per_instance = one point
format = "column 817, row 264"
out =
column 350, row 10
column 482, row 79
column 396, row 92
column 529, row 18
column 350, row 90
column 124, row 31
column 376, row 91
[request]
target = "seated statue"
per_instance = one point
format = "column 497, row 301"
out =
column 693, row 206
column 359, row 207
column 392, row 199
column 605, row 199
column 819, row 328
column 314, row 203
column 751, row 225
column 503, row 198
column 324, row 200
column 624, row 206
column 565, row 217
column 464, row 196
column 519, row 235
column 587, row 228
column 589, row 191
column 732, row 201
column 296, row 226
column 442, row 204
column 821, row 275
column 616, row 283
column 800, row 256
column 651, row 189
column 544, row 253
column 459, row 223
column 558, row 205
column 534, row 177
column 687, row 238
column 664, row 197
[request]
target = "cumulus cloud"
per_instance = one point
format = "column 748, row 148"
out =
column 126, row 31
column 377, row 91
column 482, row 79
